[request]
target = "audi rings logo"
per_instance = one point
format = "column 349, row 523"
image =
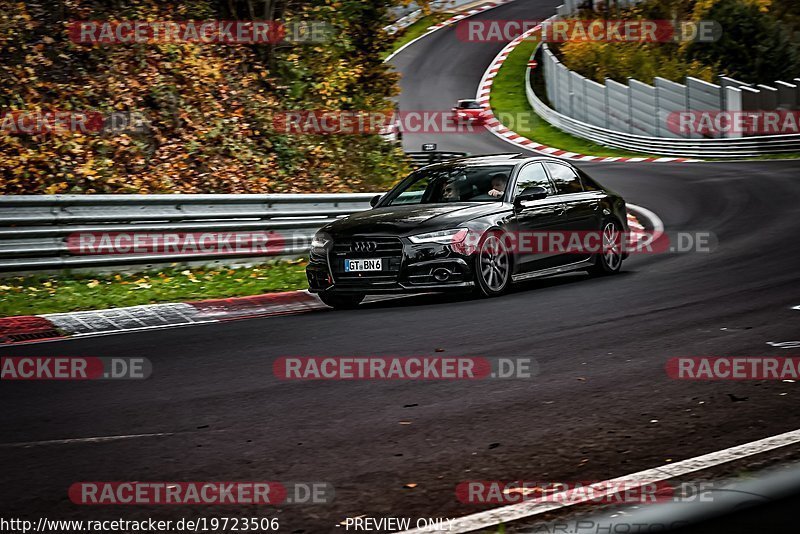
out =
column 364, row 246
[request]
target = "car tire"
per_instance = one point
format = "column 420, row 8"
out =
column 493, row 265
column 342, row 301
column 610, row 260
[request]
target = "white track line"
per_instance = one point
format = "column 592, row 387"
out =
column 96, row 439
column 412, row 41
column 522, row 510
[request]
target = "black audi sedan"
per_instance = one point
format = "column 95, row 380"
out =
column 456, row 225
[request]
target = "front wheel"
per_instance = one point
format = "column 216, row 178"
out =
column 492, row 266
column 341, row 301
column 609, row 261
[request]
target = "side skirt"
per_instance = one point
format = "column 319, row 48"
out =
column 577, row 266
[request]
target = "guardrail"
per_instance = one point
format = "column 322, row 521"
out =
column 705, row 148
column 635, row 116
column 34, row 229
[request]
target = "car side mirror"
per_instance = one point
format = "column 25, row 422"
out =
column 536, row 192
column 374, row 200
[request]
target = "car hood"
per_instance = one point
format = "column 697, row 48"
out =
column 412, row 219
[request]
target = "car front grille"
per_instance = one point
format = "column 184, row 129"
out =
column 389, row 249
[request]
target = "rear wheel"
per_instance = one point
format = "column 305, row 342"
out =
column 609, row 261
column 342, row 301
column 492, row 266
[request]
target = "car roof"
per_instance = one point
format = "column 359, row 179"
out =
column 493, row 159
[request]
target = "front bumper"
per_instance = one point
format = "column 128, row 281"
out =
column 406, row 267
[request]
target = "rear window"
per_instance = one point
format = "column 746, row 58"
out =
column 469, row 104
column 588, row 182
column 564, row 178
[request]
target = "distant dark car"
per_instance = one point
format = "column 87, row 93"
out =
column 470, row 111
column 452, row 225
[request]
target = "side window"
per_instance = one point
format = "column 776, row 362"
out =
column 530, row 176
column 565, row 179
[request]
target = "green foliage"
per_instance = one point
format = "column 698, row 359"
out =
column 755, row 47
column 619, row 61
column 510, row 104
column 415, row 30
column 209, row 107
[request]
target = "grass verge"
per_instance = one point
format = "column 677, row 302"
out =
column 37, row 294
column 508, row 99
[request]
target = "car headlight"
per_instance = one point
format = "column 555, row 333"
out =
column 443, row 237
column 320, row 241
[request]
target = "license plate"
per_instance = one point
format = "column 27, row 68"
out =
column 362, row 265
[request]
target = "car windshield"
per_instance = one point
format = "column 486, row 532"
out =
column 469, row 104
column 452, row 183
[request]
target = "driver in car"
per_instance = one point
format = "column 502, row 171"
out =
column 450, row 191
column 499, row 181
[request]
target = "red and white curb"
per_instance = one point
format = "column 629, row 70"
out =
column 641, row 236
column 497, row 128
column 153, row 316
column 54, row 326
column 637, row 231
column 461, row 16
column 450, row 22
